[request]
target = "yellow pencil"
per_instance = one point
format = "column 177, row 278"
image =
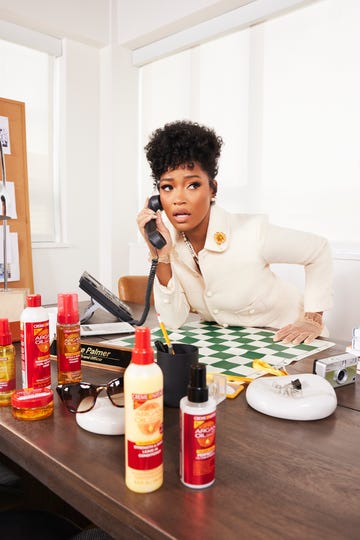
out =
column 165, row 334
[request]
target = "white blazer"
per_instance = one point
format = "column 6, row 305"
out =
column 237, row 286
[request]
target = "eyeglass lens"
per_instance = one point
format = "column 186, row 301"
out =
column 115, row 391
column 78, row 397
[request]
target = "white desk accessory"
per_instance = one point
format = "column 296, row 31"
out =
column 104, row 418
column 217, row 386
column 281, row 397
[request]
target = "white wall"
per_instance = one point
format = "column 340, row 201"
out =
column 58, row 268
column 125, row 147
column 86, row 21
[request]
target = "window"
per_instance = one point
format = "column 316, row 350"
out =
column 284, row 96
column 27, row 75
column 310, row 164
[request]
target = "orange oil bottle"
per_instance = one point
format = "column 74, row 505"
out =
column 68, row 347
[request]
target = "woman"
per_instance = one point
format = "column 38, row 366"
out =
column 217, row 264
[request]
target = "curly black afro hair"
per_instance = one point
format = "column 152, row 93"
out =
column 183, row 143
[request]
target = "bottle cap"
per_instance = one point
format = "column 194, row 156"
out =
column 68, row 308
column 33, row 300
column 5, row 334
column 198, row 391
column 142, row 352
column 30, row 398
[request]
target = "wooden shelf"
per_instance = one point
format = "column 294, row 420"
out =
column 16, row 171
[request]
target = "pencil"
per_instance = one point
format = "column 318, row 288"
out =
column 165, row 334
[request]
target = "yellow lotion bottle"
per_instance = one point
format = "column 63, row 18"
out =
column 143, row 393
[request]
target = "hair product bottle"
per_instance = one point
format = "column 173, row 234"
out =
column 197, row 432
column 143, row 398
column 68, row 339
column 7, row 364
column 35, row 344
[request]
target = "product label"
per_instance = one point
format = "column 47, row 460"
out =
column 198, row 449
column 35, row 354
column 7, row 375
column 145, row 452
column 68, row 348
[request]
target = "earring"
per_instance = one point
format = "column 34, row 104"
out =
column 213, row 199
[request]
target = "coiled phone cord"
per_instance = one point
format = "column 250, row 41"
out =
column 149, row 288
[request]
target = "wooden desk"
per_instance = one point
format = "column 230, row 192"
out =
column 274, row 478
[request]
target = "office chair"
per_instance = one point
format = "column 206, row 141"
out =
column 133, row 289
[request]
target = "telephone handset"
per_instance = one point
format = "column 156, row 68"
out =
column 156, row 239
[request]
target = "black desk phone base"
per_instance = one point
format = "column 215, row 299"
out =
column 102, row 297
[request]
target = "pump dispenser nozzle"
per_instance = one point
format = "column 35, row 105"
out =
column 5, row 335
column 142, row 352
column 68, row 308
column 198, row 391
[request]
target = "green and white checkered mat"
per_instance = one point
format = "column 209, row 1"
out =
column 231, row 351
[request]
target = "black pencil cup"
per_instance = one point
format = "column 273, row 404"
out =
column 176, row 371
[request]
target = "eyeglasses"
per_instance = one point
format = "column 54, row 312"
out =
column 81, row 397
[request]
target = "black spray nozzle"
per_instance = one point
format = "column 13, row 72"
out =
column 198, row 391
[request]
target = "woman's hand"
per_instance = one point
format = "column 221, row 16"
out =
column 144, row 216
column 305, row 330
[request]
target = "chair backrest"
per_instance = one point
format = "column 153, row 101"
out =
column 133, row 289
